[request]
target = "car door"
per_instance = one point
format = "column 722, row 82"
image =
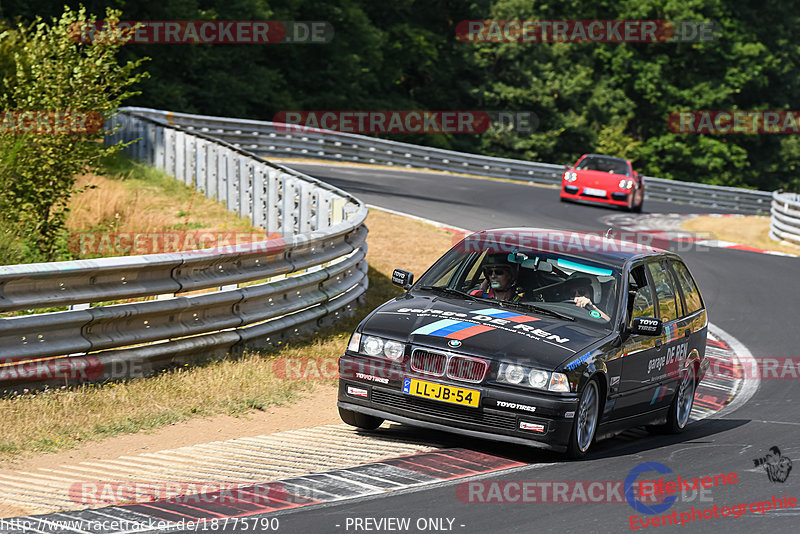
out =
column 639, row 350
column 693, row 323
column 671, row 346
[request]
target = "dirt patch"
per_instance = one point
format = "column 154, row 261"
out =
column 752, row 231
column 317, row 407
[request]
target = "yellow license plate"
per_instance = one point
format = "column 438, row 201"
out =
column 441, row 392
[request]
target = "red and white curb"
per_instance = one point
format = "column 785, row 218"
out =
column 667, row 226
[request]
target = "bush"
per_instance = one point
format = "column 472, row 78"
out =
column 47, row 71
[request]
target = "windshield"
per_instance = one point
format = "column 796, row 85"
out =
column 595, row 163
column 558, row 283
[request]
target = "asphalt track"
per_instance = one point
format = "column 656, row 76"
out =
column 752, row 296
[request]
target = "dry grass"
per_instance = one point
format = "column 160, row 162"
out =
column 136, row 199
column 399, row 242
column 62, row 419
column 752, row 231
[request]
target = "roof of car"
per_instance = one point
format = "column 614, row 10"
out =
column 589, row 246
column 605, row 156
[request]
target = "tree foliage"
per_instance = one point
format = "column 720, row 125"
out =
column 47, row 72
column 589, row 97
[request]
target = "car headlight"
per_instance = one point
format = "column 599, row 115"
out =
column 570, row 176
column 372, row 346
column 537, row 379
column 355, row 342
column 513, row 374
column 626, row 184
column 519, row 375
column 375, row 346
column 393, row 349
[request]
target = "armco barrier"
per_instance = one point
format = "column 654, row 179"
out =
column 785, row 217
column 264, row 139
column 311, row 272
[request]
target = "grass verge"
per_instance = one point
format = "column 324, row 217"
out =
column 64, row 418
column 752, row 231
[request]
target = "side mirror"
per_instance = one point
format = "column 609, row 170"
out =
column 402, row 278
column 647, row 326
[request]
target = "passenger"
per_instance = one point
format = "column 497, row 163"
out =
column 500, row 279
column 581, row 294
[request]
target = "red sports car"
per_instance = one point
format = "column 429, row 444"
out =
column 603, row 179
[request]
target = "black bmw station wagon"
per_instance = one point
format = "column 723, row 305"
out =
column 539, row 337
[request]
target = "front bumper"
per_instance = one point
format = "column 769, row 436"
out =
column 549, row 426
column 615, row 198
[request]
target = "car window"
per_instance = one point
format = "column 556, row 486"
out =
column 640, row 295
column 604, row 165
column 665, row 292
column 691, row 295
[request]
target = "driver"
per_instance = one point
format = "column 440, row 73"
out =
column 500, row 279
column 581, row 295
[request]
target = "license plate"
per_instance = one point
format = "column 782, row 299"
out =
column 594, row 192
column 441, row 392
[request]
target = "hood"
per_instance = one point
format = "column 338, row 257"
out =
column 482, row 329
column 606, row 180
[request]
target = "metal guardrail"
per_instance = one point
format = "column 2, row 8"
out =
column 314, row 272
column 784, row 222
column 271, row 140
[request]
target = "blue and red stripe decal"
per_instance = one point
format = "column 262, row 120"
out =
column 456, row 329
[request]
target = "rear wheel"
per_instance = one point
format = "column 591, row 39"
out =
column 585, row 424
column 360, row 420
column 681, row 406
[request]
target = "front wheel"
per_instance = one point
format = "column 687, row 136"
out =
column 637, row 208
column 585, row 424
column 360, row 420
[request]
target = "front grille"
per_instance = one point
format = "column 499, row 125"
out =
column 429, row 363
column 445, row 411
column 467, row 369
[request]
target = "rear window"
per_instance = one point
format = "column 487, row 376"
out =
column 665, row 292
column 691, row 295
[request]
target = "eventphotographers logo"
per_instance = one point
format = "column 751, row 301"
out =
column 631, row 485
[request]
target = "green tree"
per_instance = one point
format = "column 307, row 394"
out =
column 50, row 72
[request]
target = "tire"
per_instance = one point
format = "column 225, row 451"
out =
column 360, row 420
column 584, row 427
column 638, row 207
column 681, row 407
